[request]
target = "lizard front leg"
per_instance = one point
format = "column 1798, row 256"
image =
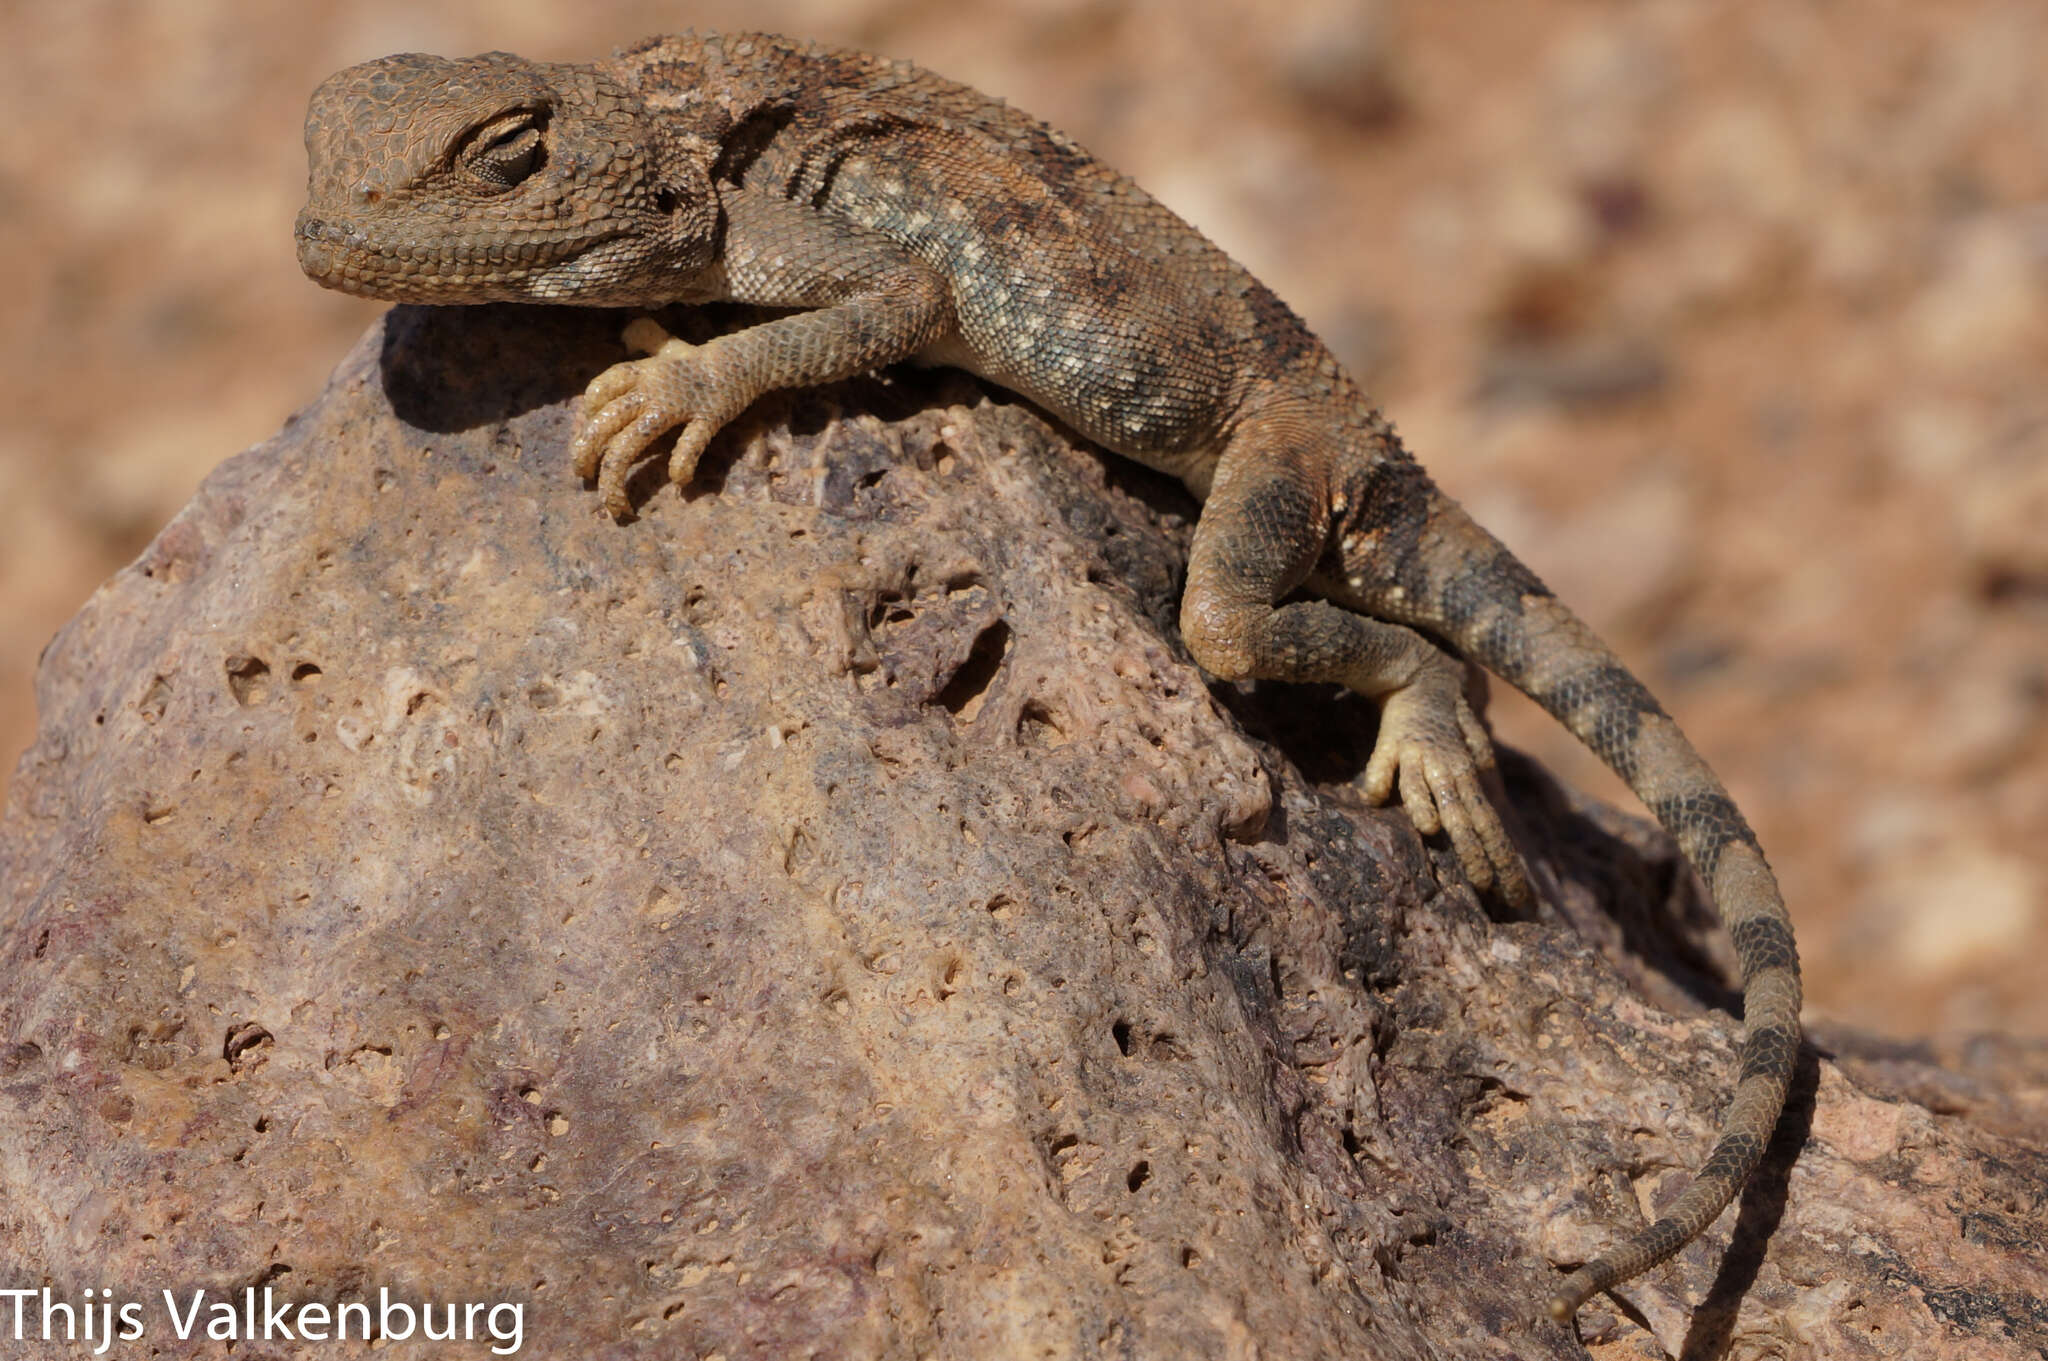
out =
column 874, row 303
column 1262, row 530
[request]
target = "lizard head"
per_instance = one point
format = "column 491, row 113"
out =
column 497, row 179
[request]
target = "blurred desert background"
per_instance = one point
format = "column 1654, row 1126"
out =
column 1732, row 317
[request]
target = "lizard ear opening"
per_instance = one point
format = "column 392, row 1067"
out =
column 504, row 152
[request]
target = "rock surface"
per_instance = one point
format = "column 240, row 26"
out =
column 829, row 916
column 1731, row 315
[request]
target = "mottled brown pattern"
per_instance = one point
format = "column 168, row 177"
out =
column 907, row 215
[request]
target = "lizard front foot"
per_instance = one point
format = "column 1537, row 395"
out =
column 1433, row 745
column 630, row 405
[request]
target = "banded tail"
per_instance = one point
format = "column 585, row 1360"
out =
column 1477, row 594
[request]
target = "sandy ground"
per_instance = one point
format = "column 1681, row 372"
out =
column 1731, row 317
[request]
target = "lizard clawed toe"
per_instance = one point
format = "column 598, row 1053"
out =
column 631, row 405
column 1433, row 748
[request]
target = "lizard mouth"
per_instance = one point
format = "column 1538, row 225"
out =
column 343, row 257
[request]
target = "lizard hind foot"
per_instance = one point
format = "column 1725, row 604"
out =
column 1435, row 750
column 632, row 404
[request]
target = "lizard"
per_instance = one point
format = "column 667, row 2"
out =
column 897, row 215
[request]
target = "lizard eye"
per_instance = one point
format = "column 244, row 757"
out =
column 503, row 154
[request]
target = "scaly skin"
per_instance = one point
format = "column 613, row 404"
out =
column 908, row 216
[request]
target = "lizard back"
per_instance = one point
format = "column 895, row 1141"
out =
column 1070, row 283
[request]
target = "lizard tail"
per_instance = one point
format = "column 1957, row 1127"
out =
column 1476, row 593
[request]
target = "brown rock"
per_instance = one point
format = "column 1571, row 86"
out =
column 830, row 917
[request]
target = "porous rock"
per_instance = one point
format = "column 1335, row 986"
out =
column 830, row 916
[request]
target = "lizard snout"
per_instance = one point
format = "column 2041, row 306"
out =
column 314, row 259
column 319, row 242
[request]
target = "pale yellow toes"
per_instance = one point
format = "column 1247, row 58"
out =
column 631, row 405
column 1433, row 748
column 604, row 415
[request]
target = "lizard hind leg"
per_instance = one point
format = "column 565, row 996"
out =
column 1261, row 531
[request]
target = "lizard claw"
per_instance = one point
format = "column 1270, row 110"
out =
column 1433, row 746
column 630, row 405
